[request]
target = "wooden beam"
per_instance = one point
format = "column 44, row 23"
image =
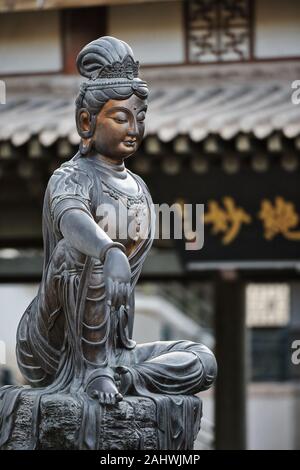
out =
column 231, row 357
column 27, row 5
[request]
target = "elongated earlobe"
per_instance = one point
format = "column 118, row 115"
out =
column 85, row 146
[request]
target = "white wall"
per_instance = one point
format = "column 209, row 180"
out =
column 277, row 28
column 30, row 42
column 273, row 416
column 154, row 31
column 14, row 299
column 146, row 328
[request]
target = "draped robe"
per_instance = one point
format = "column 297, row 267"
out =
column 68, row 331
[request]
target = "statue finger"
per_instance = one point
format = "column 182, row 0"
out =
column 115, row 294
column 108, row 399
column 101, row 398
column 124, row 293
column 109, row 291
column 112, row 398
column 120, row 295
column 128, row 294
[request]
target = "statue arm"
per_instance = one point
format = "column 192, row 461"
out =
column 85, row 235
column 70, row 205
column 83, row 232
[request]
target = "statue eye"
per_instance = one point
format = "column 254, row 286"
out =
column 120, row 121
column 120, row 118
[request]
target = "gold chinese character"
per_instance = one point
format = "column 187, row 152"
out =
column 228, row 220
column 279, row 218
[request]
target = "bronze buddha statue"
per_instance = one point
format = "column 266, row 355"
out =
column 76, row 335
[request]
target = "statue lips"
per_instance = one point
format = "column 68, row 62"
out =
column 130, row 143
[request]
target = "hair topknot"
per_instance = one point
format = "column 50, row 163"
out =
column 100, row 53
column 112, row 74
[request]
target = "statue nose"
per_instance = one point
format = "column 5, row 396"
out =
column 133, row 129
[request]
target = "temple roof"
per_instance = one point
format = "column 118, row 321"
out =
column 184, row 104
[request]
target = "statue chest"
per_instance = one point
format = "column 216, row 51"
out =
column 124, row 217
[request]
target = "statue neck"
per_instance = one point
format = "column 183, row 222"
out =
column 108, row 166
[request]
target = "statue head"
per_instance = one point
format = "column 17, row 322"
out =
column 112, row 103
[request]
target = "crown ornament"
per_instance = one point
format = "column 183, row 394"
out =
column 128, row 69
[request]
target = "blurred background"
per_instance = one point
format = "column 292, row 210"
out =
column 223, row 129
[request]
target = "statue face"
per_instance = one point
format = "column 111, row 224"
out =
column 120, row 127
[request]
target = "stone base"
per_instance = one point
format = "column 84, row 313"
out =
column 131, row 425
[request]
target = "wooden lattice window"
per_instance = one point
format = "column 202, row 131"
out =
column 218, row 30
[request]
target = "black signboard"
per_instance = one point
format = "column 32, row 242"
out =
column 251, row 218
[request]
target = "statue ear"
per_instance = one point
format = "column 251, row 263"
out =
column 86, row 123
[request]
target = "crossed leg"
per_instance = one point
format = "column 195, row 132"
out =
column 168, row 367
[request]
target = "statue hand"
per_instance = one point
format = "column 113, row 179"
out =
column 117, row 277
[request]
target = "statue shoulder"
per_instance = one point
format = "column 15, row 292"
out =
column 75, row 165
column 71, row 178
column 73, row 169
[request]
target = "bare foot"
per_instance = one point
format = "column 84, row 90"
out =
column 104, row 390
